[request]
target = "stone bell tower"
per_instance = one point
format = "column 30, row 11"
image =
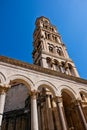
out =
column 49, row 50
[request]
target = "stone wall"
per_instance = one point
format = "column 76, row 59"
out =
column 16, row 97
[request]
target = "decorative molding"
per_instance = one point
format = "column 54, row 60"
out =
column 3, row 90
column 40, row 69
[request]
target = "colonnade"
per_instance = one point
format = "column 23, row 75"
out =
column 55, row 102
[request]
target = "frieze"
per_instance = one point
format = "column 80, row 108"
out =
column 40, row 69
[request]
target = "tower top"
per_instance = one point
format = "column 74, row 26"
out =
column 49, row 50
column 45, row 22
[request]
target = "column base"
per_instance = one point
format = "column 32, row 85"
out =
column 0, row 127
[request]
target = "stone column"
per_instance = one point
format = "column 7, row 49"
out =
column 61, row 113
column 75, row 71
column 56, row 120
column 34, row 115
column 2, row 103
column 81, row 114
column 49, row 111
column 67, row 69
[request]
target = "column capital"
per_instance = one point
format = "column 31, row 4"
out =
column 57, row 99
column 77, row 102
column 48, row 93
column 34, row 94
column 4, row 88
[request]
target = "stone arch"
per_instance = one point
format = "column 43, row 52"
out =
column 47, row 105
column 68, row 90
column 47, row 84
column 69, row 98
column 20, row 79
column 18, row 101
column 2, row 78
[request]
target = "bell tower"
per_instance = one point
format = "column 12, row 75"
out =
column 49, row 50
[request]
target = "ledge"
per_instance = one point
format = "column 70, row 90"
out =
column 40, row 69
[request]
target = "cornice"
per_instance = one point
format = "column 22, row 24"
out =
column 56, row 55
column 40, row 69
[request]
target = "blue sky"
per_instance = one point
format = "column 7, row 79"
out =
column 17, row 18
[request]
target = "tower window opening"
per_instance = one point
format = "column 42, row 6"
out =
column 59, row 51
column 56, row 39
column 51, row 49
column 56, row 65
column 63, row 67
column 53, row 37
column 49, row 62
column 48, row 36
column 46, row 22
column 52, row 29
column 46, row 26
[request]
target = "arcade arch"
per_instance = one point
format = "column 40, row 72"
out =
column 72, row 110
column 48, row 114
column 17, row 112
column 20, row 79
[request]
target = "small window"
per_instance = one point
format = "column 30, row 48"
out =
column 49, row 62
column 56, row 39
column 39, row 62
column 53, row 37
column 50, row 49
column 59, row 51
